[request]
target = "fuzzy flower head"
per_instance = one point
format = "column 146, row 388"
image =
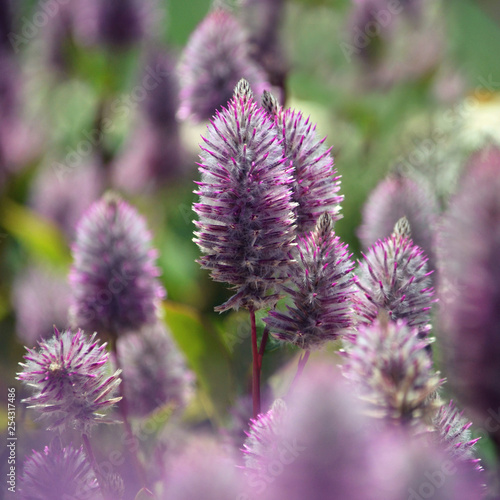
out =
column 469, row 288
column 453, row 431
column 390, row 367
column 114, row 277
column 397, row 197
column 58, row 473
column 393, row 277
column 262, row 443
column 316, row 183
column 246, row 221
column 154, row 371
column 69, row 380
column 214, row 60
column 321, row 291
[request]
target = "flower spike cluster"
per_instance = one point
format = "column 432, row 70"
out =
column 321, row 290
column 246, row 220
column 114, row 276
column 69, row 381
column 393, row 277
column 390, row 365
column 316, row 183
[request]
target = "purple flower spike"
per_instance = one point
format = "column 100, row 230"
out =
column 322, row 289
column 392, row 370
column 214, row 60
column 68, row 376
column 154, row 371
column 469, row 288
column 316, row 183
column 114, row 276
column 246, row 221
column 397, row 197
column 58, row 473
column 453, row 431
column 393, row 277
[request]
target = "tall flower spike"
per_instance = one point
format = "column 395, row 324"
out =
column 316, row 183
column 321, row 291
column 69, row 380
column 393, row 277
column 469, row 289
column 58, row 473
column 396, row 197
column 214, row 60
column 392, row 371
column 246, row 222
column 114, row 277
column 154, row 371
column 453, row 431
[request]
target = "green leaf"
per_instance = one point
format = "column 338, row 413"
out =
column 206, row 355
column 39, row 236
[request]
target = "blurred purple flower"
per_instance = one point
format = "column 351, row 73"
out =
column 203, row 470
column 263, row 20
column 114, row 277
column 323, row 441
column 154, row 152
column 52, row 194
column 246, row 222
column 391, row 370
column 117, row 23
column 316, row 183
column 154, row 371
column 393, row 277
column 58, row 473
column 214, row 60
column 68, row 377
column 453, row 431
column 41, row 300
column 469, row 287
column 397, row 197
column 321, row 291
column 263, row 439
column 411, row 467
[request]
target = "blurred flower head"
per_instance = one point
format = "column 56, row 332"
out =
column 41, row 300
column 58, row 473
column 114, row 277
column 246, row 221
column 68, row 377
column 392, row 371
column 154, row 371
column 469, row 288
column 53, row 193
column 214, row 60
column 321, row 289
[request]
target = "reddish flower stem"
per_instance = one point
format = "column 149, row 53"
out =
column 92, row 460
column 262, row 347
column 300, row 368
column 255, row 367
